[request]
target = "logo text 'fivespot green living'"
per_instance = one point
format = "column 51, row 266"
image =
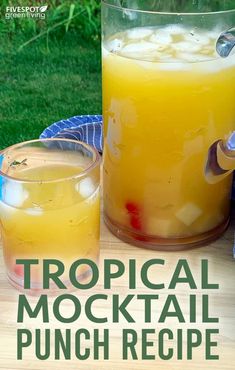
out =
column 25, row 11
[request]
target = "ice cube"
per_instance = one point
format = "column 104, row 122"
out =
column 86, row 187
column 115, row 45
column 189, row 213
column 139, row 33
column 186, row 47
column 161, row 37
column 36, row 211
column 175, row 29
column 14, row 194
column 141, row 47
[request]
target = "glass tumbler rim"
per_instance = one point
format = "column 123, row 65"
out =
column 81, row 174
column 119, row 7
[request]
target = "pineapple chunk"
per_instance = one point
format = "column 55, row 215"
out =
column 189, row 213
column 159, row 227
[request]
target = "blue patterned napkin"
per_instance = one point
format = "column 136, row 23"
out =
column 87, row 129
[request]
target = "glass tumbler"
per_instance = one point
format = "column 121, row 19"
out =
column 49, row 207
column 167, row 98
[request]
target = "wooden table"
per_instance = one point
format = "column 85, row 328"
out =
column 222, row 304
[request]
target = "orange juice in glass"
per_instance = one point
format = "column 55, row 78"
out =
column 167, row 97
column 49, row 207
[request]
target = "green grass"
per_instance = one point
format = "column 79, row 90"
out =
column 61, row 16
column 57, row 72
column 40, row 86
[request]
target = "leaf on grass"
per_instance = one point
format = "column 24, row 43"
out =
column 70, row 17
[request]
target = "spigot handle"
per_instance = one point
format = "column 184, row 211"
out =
column 221, row 160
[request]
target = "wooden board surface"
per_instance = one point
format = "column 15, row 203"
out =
column 222, row 304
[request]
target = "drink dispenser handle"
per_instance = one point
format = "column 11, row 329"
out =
column 221, row 160
column 221, row 156
column 226, row 43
